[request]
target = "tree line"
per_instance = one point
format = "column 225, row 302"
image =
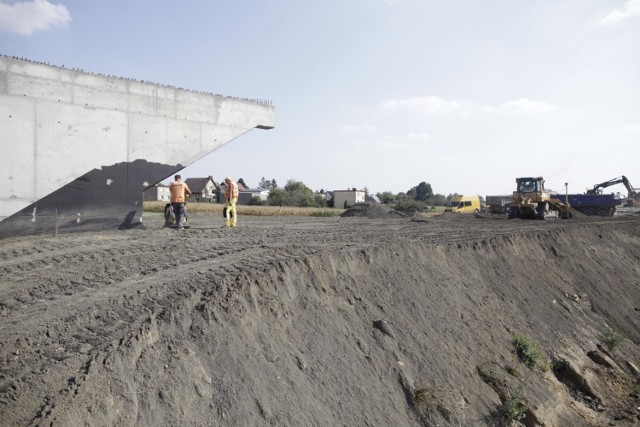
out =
column 296, row 193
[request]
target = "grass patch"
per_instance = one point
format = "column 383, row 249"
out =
column 528, row 352
column 252, row 210
column 327, row 212
column 612, row 339
column 439, row 405
column 513, row 371
column 513, row 408
column 490, row 378
column 487, row 376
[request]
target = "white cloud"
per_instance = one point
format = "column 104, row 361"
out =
column 380, row 144
column 358, row 128
column 451, row 158
column 437, row 106
column 421, row 136
column 631, row 8
column 427, row 105
column 632, row 127
column 25, row 17
column 388, row 2
column 521, row 106
column 630, row 131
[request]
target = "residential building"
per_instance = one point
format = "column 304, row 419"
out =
column 347, row 198
column 202, row 189
column 159, row 191
column 245, row 196
column 372, row 198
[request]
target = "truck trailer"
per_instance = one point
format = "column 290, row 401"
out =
column 592, row 204
column 496, row 204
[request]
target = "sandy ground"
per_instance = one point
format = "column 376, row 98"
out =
column 360, row 321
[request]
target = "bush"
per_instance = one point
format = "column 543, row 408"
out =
column 513, row 408
column 256, row 201
column 612, row 339
column 406, row 204
column 295, row 193
column 528, row 353
column 439, row 405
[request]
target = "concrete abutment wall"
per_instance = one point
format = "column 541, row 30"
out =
column 78, row 148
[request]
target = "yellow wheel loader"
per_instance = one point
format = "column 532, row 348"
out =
column 532, row 201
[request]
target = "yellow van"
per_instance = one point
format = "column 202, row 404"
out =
column 464, row 204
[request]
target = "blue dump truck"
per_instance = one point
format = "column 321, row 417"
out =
column 592, row 204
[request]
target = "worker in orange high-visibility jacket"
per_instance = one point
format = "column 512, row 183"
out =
column 231, row 197
column 179, row 191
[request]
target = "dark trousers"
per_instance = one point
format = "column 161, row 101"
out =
column 179, row 212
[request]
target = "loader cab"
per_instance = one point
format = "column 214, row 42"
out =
column 529, row 185
column 530, row 189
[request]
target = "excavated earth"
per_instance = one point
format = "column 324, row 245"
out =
column 370, row 319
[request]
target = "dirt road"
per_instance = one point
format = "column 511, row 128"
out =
column 322, row 321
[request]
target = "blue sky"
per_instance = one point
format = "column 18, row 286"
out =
column 382, row 94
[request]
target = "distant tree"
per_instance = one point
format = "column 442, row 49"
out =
column 386, row 197
column 320, row 200
column 267, row 185
column 412, row 193
column 217, row 195
column 241, row 181
column 276, row 197
column 423, row 192
column 438, row 200
column 298, row 194
column 295, row 193
column 404, row 202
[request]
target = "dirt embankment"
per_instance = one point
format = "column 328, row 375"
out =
column 323, row 321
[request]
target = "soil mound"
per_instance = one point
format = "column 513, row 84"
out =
column 368, row 210
column 324, row 321
column 576, row 215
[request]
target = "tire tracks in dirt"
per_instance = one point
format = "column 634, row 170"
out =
column 83, row 297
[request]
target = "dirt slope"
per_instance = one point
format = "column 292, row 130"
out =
column 327, row 321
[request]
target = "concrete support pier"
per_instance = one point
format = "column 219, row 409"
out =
column 78, row 149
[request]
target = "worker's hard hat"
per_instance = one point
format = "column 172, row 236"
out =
column 228, row 178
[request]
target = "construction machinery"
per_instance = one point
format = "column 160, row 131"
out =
column 592, row 204
column 497, row 204
column 633, row 198
column 532, row 201
column 170, row 217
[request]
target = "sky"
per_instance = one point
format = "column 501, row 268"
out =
column 378, row 94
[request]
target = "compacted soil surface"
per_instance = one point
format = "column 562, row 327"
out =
column 370, row 319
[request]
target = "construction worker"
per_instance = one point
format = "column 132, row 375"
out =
column 179, row 191
column 231, row 198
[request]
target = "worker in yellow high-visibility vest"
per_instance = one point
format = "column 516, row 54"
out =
column 231, row 196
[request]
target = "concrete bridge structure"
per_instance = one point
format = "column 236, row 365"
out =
column 77, row 149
